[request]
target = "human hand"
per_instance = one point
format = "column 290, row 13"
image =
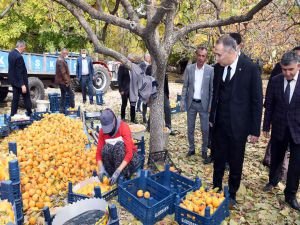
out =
column 24, row 89
column 252, row 139
column 102, row 173
column 115, row 176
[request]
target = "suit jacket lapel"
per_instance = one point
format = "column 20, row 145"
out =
column 238, row 71
column 296, row 91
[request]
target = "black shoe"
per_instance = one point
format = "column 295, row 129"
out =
column 144, row 120
column 232, row 203
column 172, row 133
column 227, row 166
column 91, row 103
column 207, row 160
column 204, row 155
column 269, row 187
column 84, row 101
column 190, row 153
column 265, row 163
column 293, row 203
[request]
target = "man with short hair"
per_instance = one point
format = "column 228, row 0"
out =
column 85, row 73
column 18, row 78
column 236, row 112
column 63, row 79
column 196, row 97
column 282, row 114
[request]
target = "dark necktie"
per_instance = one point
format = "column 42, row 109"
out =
column 287, row 92
column 227, row 79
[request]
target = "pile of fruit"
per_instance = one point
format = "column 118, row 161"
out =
column 6, row 212
column 51, row 152
column 89, row 188
column 4, row 159
column 198, row 200
column 136, row 128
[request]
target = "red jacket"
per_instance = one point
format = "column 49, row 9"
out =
column 123, row 132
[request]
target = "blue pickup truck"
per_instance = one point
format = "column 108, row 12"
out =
column 41, row 73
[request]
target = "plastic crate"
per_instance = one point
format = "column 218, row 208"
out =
column 14, row 171
column 75, row 113
column 6, row 193
column 92, row 115
column 160, row 157
column 148, row 211
column 73, row 197
column 176, row 183
column 184, row 216
column 112, row 209
column 141, row 150
column 54, row 99
column 37, row 116
column 4, row 131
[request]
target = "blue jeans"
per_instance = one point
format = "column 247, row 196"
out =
column 86, row 83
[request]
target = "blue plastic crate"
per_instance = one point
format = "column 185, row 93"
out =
column 4, row 131
column 112, row 209
column 75, row 113
column 54, row 99
column 141, row 151
column 19, row 208
column 184, row 216
column 6, row 193
column 148, row 211
column 176, row 183
column 160, row 157
column 16, row 125
column 37, row 116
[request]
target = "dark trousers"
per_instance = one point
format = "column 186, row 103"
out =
column 113, row 156
column 86, row 84
column 231, row 150
column 278, row 151
column 144, row 113
column 167, row 113
column 66, row 90
column 16, row 98
column 125, row 98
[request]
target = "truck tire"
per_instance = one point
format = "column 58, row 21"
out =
column 37, row 91
column 101, row 80
column 3, row 93
column 75, row 85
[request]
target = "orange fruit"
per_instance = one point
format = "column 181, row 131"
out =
column 140, row 193
column 147, row 194
column 32, row 221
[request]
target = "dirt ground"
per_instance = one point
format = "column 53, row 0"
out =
column 254, row 206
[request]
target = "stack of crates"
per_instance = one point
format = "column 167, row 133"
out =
column 4, row 128
column 54, row 99
column 14, row 175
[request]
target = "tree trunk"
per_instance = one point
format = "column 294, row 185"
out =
column 157, row 109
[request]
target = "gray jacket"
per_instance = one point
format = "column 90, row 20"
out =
column 141, row 85
column 206, row 90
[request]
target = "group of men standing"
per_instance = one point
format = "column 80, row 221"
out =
column 229, row 100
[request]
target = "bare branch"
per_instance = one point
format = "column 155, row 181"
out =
column 222, row 22
column 6, row 10
column 93, row 37
column 217, row 5
column 169, row 24
column 110, row 19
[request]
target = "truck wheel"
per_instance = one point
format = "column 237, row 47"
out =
column 3, row 93
column 37, row 91
column 101, row 79
column 75, row 85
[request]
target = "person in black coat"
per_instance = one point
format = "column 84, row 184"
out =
column 235, row 113
column 17, row 77
column 124, row 85
column 283, row 115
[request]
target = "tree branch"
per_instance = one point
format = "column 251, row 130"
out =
column 217, row 5
column 169, row 24
column 130, row 11
column 110, row 19
column 222, row 22
column 93, row 37
column 6, row 10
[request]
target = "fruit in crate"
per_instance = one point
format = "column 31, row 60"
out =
column 51, row 152
column 6, row 212
column 140, row 193
column 135, row 128
column 172, row 169
column 198, row 200
column 173, row 104
column 147, row 194
column 4, row 160
column 72, row 109
column 89, row 188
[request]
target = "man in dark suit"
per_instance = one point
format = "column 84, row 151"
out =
column 236, row 112
column 283, row 114
column 239, row 41
column 85, row 73
column 17, row 76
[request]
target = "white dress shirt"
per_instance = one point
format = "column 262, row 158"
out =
column 85, row 67
column 198, row 82
column 292, row 85
column 233, row 69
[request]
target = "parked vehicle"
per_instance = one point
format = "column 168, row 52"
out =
column 41, row 73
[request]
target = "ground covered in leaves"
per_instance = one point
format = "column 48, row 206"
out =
column 254, row 206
